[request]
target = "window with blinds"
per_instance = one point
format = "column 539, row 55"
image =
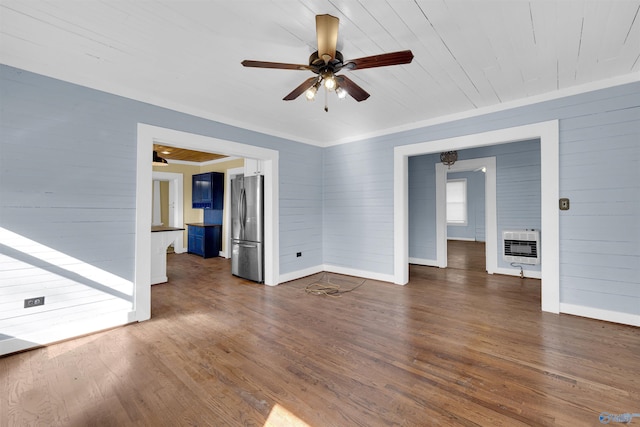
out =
column 457, row 202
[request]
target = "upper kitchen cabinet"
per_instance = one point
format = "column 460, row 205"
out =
column 252, row 167
column 208, row 190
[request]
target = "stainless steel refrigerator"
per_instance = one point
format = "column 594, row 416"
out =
column 247, row 227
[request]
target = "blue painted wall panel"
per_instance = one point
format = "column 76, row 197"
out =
column 358, row 219
column 422, row 207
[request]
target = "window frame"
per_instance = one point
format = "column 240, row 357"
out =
column 465, row 202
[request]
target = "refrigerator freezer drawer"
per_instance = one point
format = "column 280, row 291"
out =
column 247, row 260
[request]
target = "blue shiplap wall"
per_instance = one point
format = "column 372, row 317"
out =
column 422, row 206
column 475, row 228
column 517, row 194
column 60, row 188
column 300, row 207
column 358, row 217
column 599, row 236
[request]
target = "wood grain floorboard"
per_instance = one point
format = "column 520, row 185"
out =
column 453, row 347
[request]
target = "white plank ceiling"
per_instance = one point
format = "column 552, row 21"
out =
column 185, row 55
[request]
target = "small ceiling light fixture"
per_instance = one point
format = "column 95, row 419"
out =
column 448, row 157
column 329, row 80
column 159, row 161
column 310, row 93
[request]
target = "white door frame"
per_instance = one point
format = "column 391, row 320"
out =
column 490, row 216
column 147, row 135
column 176, row 200
column 548, row 133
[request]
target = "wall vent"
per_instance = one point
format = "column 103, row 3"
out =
column 521, row 246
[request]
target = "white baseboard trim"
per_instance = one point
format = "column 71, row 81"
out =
column 300, row 273
column 335, row 269
column 506, row 271
column 462, row 239
column 65, row 331
column 359, row 273
column 516, row 272
column 599, row 314
column 155, row 280
column 179, row 250
column 422, row 261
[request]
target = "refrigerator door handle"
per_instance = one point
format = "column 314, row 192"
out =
column 241, row 211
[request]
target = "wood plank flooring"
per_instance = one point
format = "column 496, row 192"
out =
column 453, row 347
column 466, row 255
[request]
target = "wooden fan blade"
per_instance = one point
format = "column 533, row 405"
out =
column 300, row 89
column 278, row 65
column 351, row 88
column 327, row 33
column 383, row 60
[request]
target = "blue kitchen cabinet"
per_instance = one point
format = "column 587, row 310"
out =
column 207, row 190
column 205, row 239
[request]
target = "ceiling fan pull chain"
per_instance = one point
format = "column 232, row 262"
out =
column 326, row 100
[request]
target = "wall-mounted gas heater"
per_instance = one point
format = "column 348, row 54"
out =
column 521, row 246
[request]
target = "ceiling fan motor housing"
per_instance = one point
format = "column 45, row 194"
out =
column 318, row 65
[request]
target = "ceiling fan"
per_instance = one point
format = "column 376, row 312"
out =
column 327, row 61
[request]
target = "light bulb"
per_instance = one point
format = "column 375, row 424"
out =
column 330, row 82
column 311, row 93
column 341, row 93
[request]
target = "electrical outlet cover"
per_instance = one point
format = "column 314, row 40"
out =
column 564, row 204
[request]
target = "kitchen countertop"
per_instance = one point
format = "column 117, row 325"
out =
column 157, row 228
column 204, row 224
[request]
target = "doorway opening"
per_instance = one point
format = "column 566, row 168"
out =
column 466, row 255
column 490, row 209
column 548, row 134
column 147, row 136
column 466, row 229
column 174, row 204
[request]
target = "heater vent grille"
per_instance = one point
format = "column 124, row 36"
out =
column 521, row 246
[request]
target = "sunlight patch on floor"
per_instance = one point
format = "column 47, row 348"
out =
column 280, row 417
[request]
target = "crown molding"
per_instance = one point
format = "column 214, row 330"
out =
column 549, row 96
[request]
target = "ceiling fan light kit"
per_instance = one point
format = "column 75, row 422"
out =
column 311, row 92
column 326, row 62
column 329, row 80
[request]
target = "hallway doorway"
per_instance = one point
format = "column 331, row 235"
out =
column 466, row 255
column 548, row 134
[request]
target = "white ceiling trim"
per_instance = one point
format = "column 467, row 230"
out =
column 562, row 93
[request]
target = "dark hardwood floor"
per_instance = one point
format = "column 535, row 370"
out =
column 466, row 255
column 453, row 347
